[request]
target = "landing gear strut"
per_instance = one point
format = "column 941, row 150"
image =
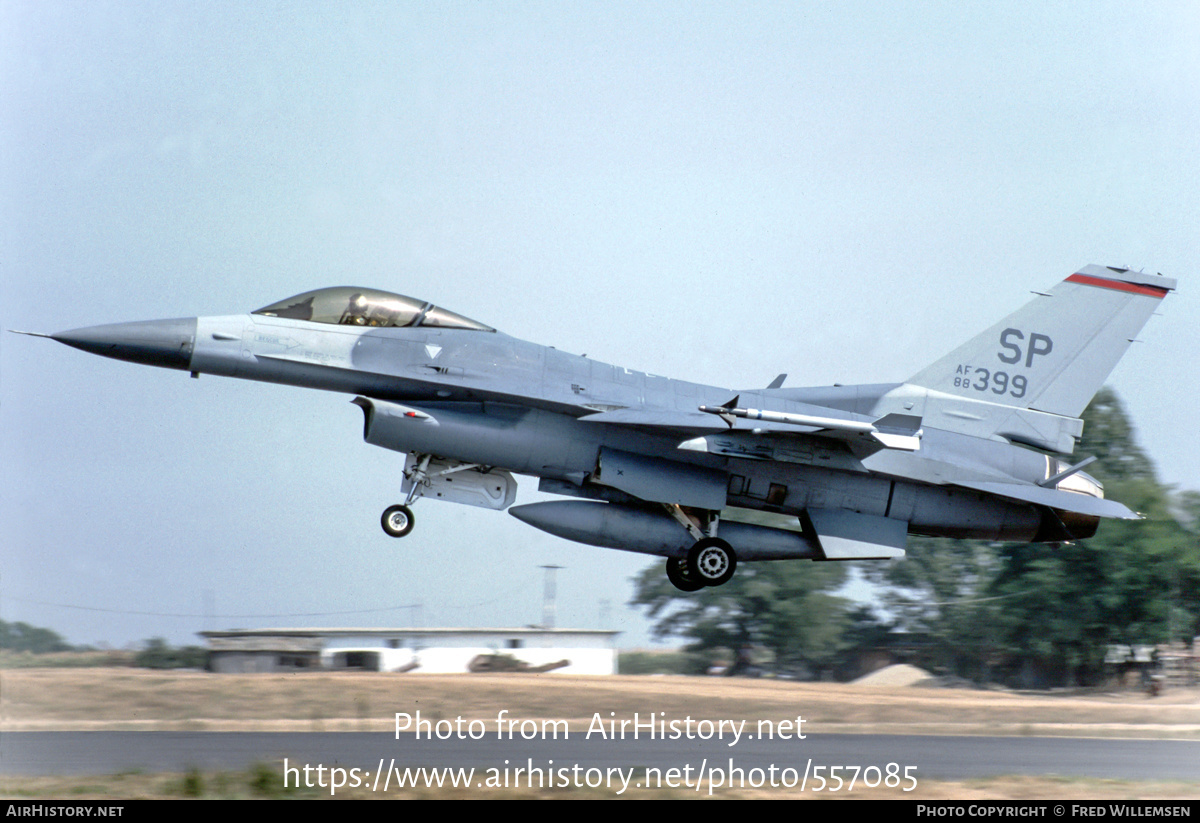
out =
column 710, row 562
column 398, row 521
column 426, row 475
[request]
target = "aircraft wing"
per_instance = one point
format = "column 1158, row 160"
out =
column 660, row 420
column 892, row 431
column 939, row 473
column 768, row 440
column 1054, row 499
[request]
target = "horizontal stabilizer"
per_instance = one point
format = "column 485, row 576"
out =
column 1055, row 499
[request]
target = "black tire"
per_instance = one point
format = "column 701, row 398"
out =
column 711, row 561
column 679, row 576
column 397, row 521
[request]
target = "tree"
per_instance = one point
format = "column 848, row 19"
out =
column 159, row 654
column 1065, row 605
column 22, row 637
column 1108, row 434
column 941, row 595
column 785, row 607
column 1058, row 608
column 1033, row 614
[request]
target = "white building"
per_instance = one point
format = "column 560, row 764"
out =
column 434, row 651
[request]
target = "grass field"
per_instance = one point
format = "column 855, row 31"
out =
column 265, row 782
column 140, row 699
column 133, row 699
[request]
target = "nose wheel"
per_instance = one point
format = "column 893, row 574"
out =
column 397, row 521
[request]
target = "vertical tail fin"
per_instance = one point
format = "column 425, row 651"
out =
column 1053, row 354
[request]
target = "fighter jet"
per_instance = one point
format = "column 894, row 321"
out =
column 976, row 445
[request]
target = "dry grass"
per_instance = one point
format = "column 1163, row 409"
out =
column 266, row 782
column 42, row 660
column 119, row 698
column 122, row 698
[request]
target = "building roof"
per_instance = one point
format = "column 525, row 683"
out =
column 527, row 631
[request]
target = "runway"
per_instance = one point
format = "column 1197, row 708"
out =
column 925, row 757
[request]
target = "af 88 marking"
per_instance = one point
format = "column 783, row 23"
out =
column 983, row 380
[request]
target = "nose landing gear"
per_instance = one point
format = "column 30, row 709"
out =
column 397, row 521
column 439, row 478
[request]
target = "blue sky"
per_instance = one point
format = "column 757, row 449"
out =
column 718, row 192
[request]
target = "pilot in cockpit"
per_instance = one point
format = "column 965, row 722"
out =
column 356, row 312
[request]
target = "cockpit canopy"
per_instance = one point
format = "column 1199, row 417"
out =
column 352, row 306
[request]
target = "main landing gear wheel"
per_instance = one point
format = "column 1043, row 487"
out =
column 397, row 521
column 677, row 573
column 711, row 561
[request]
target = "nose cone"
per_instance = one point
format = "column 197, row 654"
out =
column 166, row 343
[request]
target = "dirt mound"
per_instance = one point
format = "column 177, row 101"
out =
column 901, row 674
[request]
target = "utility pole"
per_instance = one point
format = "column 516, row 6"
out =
column 548, row 595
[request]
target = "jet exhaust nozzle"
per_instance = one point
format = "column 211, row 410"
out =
column 165, row 343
